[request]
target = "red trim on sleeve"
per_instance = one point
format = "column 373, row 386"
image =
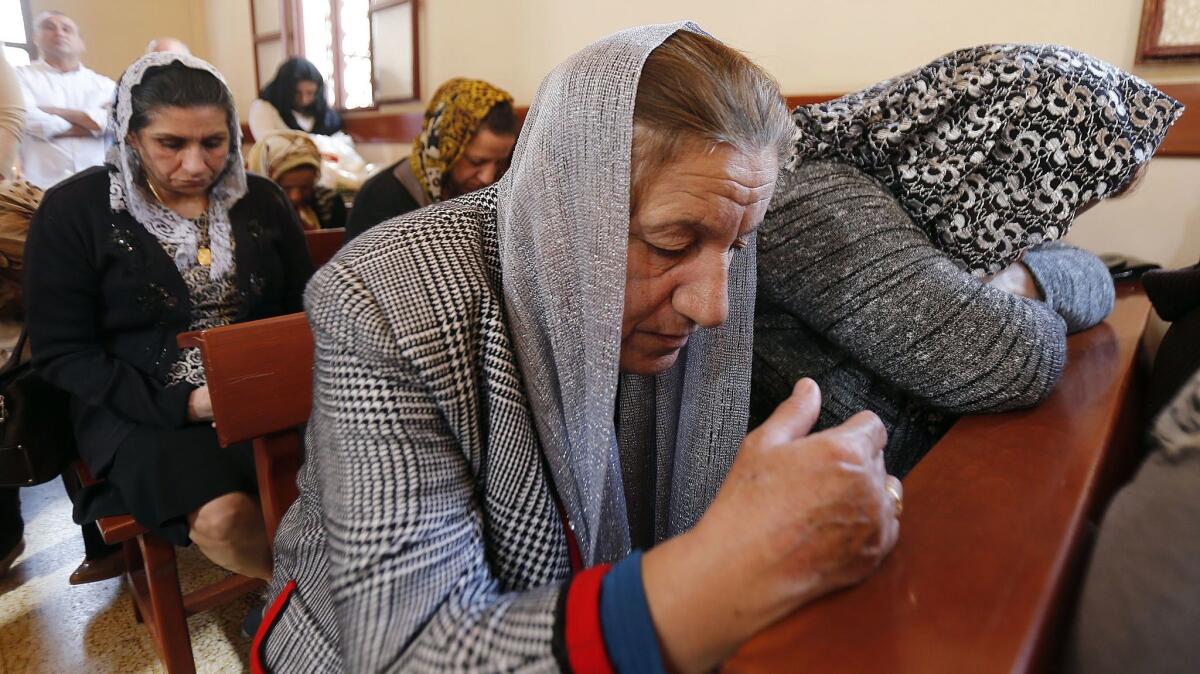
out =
column 258, row 664
column 572, row 543
column 583, row 635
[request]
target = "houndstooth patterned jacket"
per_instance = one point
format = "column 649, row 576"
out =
column 425, row 536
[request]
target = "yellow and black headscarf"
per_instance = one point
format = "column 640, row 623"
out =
column 453, row 116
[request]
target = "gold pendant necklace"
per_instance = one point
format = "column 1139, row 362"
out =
column 203, row 253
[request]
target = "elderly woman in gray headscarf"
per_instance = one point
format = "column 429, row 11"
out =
column 910, row 265
column 170, row 235
column 518, row 390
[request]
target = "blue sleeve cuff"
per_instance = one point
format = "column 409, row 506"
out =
column 629, row 635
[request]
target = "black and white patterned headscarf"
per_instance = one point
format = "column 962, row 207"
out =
column 994, row 149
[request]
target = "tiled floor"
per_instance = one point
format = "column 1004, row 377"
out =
column 47, row 625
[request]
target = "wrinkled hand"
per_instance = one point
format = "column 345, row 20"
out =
column 798, row 516
column 823, row 517
column 200, row 405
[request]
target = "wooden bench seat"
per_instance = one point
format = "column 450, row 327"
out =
column 994, row 535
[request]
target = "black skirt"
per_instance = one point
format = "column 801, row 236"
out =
column 160, row 475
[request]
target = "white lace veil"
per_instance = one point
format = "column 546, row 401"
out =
column 166, row 225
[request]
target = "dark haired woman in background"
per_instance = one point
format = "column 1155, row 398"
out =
column 296, row 100
column 170, row 235
column 466, row 143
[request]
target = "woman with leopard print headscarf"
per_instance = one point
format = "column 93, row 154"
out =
column 916, row 203
column 465, row 144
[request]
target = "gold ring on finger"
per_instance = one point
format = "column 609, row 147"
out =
column 896, row 498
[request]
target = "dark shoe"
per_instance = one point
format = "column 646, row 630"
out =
column 94, row 570
column 7, row 560
column 253, row 619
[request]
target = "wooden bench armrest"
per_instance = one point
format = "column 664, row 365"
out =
column 114, row 529
column 190, row 340
column 993, row 533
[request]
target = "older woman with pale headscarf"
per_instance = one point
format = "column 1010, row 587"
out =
column 465, row 144
column 910, row 264
column 292, row 160
column 527, row 447
column 171, row 235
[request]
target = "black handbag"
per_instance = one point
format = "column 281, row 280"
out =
column 36, row 439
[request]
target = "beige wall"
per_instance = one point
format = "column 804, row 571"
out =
column 810, row 46
column 231, row 46
column 1159, row 221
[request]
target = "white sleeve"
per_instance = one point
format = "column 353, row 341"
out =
column 39, row 123
column 99, row 102
column 263, row 118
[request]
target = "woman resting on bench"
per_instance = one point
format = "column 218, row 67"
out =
column 170, row 235
column 885, row 255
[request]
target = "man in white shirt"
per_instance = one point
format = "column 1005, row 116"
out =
column 66, row 105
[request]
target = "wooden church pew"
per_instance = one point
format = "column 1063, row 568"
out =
column 994, row 532
column 260, row 380
column 323, row 244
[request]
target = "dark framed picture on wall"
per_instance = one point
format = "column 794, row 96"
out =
column 1170, row 31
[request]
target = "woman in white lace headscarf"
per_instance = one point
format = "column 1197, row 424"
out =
column 170, row 235
column 520, row 389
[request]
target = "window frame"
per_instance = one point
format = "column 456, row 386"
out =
column 285, row 35
column 291, row 36
column 1150, row 49
column 29, row 46
column 374, row 7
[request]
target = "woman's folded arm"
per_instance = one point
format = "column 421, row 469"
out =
column 840, row 253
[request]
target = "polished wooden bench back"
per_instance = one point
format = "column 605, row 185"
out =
column 323, row 244
column 260, row 379
column 993, row 536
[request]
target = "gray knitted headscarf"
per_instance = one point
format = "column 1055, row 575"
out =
column 563, row 221
column 125, row 193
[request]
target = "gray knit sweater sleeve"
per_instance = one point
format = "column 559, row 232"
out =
column 839, row 252
column 1074, row 282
